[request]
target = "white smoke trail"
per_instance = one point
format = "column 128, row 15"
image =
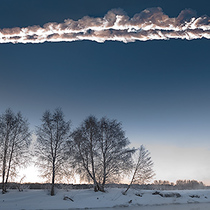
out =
column 150, row 24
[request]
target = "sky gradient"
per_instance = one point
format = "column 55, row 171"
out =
column 159, row 90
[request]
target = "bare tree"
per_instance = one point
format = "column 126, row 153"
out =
column 52, row 136
column 143, row 171
column 115, row 156
column 85, row 150
column 14, row 145
column 100, row 151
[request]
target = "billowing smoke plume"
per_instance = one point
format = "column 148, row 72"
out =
column 150, row 24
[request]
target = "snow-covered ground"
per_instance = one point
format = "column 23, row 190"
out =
column 40, row 199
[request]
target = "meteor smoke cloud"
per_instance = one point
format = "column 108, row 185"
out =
column 150, row 24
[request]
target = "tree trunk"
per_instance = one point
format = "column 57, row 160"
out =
column 3, row 177
column 134, row 174
column 96, row 186
column 4, row 189
column 9, row 166
column 124, row 193
column 104, row 172
column 136, row 169
column 53, row 179
column 101, row 188
column 3, row 184
column 52, row 193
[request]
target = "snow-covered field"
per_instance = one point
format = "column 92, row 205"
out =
column 147, row 199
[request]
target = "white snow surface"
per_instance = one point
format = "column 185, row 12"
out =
column 113, row 197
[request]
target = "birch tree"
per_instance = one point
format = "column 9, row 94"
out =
column 85, row 150
column 100, row 151
column 14, row 145
column 143, row 171
column 115, row 156
column 52, row 136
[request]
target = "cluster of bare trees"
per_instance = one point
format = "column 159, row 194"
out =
column 97, row 150
column 100, row 151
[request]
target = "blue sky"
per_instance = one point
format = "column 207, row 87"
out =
column 159, row 90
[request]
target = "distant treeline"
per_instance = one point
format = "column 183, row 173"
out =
column 179, row 185
column 156, row 185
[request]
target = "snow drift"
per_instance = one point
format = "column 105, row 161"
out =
column 113, row 197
